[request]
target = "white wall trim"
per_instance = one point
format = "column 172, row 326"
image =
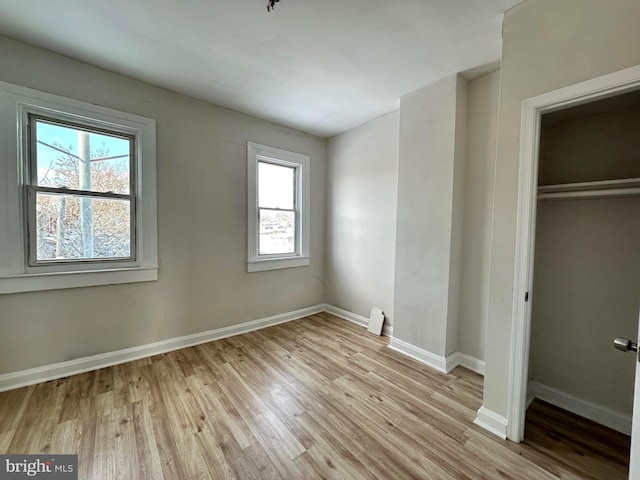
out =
column 419, row 354
column 45, row 373
column 53, row 371
column 532, row 110
column 33, row 282
column 606, row 416
column 491, row 421
column 355, row 318
column 459, row 359
column 441, row 364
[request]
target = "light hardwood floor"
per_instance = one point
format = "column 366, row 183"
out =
column 314, row 398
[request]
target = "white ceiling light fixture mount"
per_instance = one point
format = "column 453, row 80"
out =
column 272, row 5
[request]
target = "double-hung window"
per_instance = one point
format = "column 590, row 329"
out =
column 278, row 199
column 79, row 187
column 81, row 193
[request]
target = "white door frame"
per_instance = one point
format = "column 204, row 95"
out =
column 532, row 110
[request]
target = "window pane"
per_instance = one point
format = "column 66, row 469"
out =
column 276, row 186
column 277, row 232
column 62, row 152
column 71, row 227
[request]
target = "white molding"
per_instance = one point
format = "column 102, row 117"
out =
column 53, row 281
column 419, row 354
column 606, row 416
column 492, row 422
column 45, row 373
column 525, row 237
column 277, row 263
column 459, row 359
column 441, row 364
column 387, row 330
column 532, row 110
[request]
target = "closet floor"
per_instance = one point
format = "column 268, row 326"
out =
column 589, row 449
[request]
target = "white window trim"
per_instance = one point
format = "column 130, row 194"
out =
column 16, row 103
column 256, row 262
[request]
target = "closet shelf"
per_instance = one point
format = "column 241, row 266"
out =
column 628, row 187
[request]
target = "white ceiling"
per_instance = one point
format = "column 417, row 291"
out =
column 321, row 66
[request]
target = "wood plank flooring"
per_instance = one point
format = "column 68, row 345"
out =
column 315, row 398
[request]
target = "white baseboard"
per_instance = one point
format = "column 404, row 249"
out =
column 53, row 371
column 530, row 396
column 419, row 354
column 606, row 416
column 492, row 422
column 45, row 373
column 355, row 318
column 442, row 364
column 459, row 359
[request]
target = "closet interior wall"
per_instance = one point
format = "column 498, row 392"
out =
column 586, row 288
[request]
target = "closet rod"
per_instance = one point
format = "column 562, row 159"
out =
column 585, row 194
column 593, row 185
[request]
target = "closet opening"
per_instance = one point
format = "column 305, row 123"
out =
column 586, row 279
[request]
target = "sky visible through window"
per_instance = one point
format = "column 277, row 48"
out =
column 66, row 138
column 76, row 226
column 276, row 195
column 276, row 186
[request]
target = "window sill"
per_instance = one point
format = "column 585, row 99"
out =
column 33, row 282
column 277, row 263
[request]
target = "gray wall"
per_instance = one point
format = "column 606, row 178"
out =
column 361, row 187
column 547, row 45
column 362, row 183
column 202, row 221
column 429, row 218
column 482, row 127
column 457, row 215
column 591, row 142
column 585, row 293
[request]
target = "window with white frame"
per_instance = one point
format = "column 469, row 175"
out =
column 81, row 192
column 80, row 187
column 278, row 208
